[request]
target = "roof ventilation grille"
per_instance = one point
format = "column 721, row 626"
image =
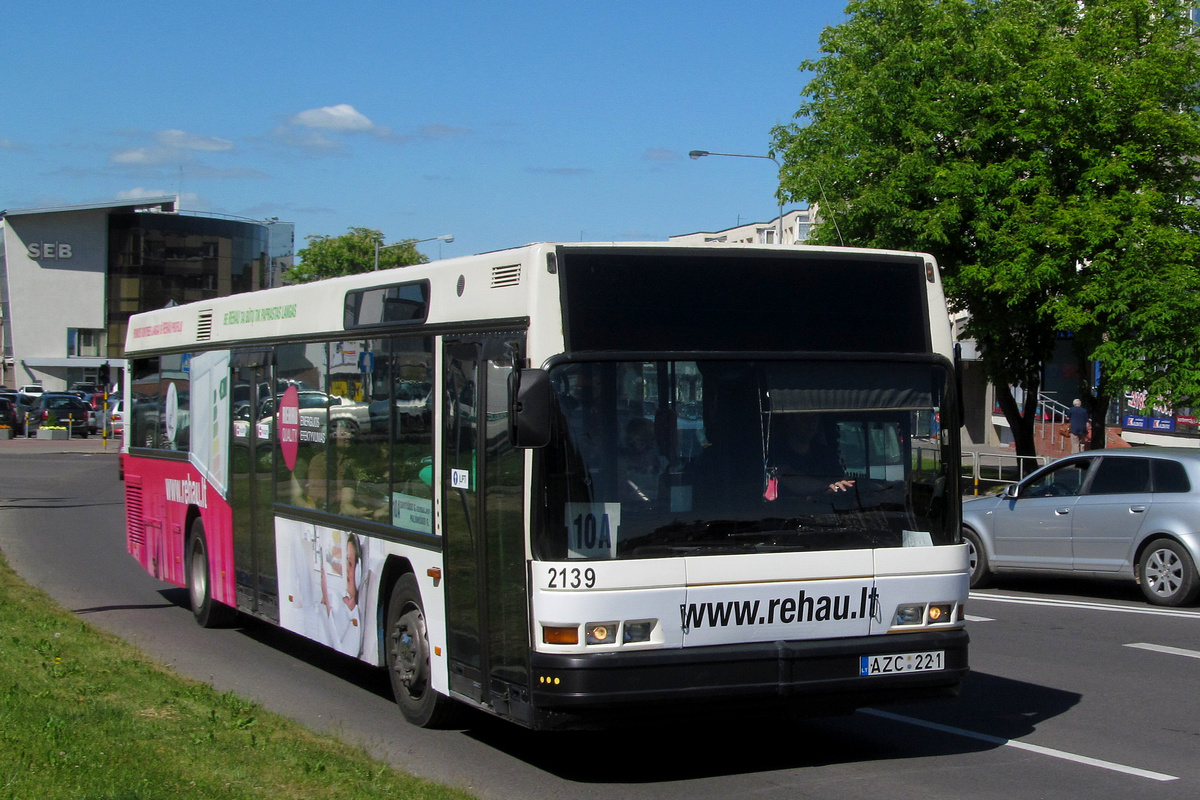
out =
column 204, row 326
column 506, row 276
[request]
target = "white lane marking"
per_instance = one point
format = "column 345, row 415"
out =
column 1042, row 601
column 1161, row 648
column 1033, row 748
column 972, row 618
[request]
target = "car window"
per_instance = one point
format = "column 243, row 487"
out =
column 1064, row 480
column 1121, row 476
column 1170, row 476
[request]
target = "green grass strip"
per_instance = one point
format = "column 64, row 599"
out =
column 84, row 714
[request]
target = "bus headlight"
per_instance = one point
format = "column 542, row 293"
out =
column 610, row 632
column 941, row 613
column 924, row 614
column 638, row 631
column 600, row 632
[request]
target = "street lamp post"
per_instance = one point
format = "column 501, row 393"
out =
column 447, row 238
column 696, row 154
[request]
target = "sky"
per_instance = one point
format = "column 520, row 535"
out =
column 497, row 123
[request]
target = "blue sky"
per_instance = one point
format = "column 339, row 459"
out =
column 498, row 123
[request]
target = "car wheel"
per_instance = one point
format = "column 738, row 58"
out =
column 208, row 612
column 981, row 574
column 408, row 659
column 1167, row 574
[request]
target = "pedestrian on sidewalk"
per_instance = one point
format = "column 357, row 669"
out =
column 1078, row 420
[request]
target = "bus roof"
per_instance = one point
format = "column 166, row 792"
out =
column 499, row 284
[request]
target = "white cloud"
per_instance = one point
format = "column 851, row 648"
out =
column 342, row 118
column 140, row 193
column 182, row 140
column 322, row 129
column 139, row 155
column 173, row 146
column 325, row 129
column 186, row 200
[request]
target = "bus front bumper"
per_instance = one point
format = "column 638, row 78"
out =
column 822, row 676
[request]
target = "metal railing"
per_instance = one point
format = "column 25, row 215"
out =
column 1054, row 415
column 988, row 470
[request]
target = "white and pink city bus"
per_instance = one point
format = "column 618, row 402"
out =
column 572, row 483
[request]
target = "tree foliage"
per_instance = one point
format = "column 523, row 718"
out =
column 1045, row 151
column 349, row 254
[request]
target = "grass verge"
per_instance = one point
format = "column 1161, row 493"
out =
column 84, row 714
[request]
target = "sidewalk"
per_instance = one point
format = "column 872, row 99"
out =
column 93, row 445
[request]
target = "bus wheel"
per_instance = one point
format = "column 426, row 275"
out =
column 977, row 560
column 408, row 659
column 1168, row 574
column 208, row 612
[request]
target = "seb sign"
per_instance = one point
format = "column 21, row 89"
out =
column 48, row 250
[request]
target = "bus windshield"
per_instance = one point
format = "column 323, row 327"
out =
column 668, row 458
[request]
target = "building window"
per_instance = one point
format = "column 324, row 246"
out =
column 83, row 342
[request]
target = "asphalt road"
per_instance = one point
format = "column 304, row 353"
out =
column 1078, row 690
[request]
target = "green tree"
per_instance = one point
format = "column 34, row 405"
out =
column 349, row 254
column 1045, row 152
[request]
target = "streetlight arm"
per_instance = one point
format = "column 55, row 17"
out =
column 702, row 153
column 447, row 238
column 697, row 154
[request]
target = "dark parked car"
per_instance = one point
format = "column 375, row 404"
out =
column 1130, row 514
column 61, row 409
column 21, row 404
column 8, row 413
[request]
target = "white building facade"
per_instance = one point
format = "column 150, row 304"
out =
column 792, row 228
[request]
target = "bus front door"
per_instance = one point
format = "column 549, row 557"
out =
column 483, row 522
column 251, row 488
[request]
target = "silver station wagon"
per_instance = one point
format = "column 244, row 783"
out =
column 1130, row 514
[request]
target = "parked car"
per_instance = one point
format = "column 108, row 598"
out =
column 341, row 409
column 21, row 404
column 32, row 389
column 116, row 417
column 8, row 413
column 97, row 399
column 98, row 403
column 1130, row 514
column 18, row 413
column 61, row 409
column 413, row 408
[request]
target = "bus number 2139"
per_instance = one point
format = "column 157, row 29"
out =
column 572, row 578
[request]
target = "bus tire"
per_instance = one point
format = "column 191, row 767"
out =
column 408, row 658
column 977, row 561
column 1167, row 574
column 208, row 612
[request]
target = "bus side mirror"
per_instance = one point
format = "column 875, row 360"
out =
column 529, row 397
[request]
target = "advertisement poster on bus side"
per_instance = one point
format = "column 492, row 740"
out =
column 328, row 584
column 209, row 410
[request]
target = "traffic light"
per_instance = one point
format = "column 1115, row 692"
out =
column 104, row 375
